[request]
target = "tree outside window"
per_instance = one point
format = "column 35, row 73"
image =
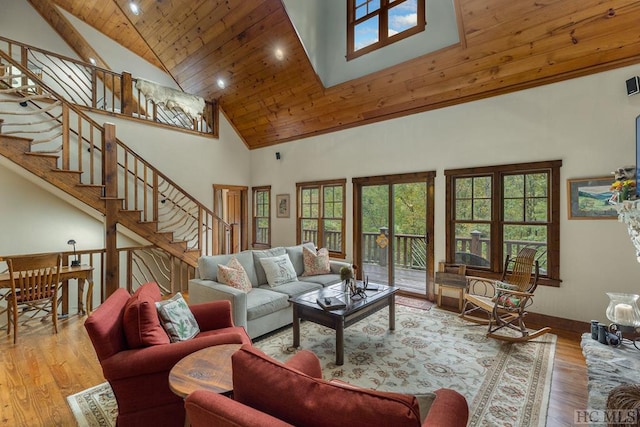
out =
column 372, row 24
column 496, row 211
column 321, row 215
column 262, row 216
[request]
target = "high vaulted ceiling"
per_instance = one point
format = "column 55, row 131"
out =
column 506, row 45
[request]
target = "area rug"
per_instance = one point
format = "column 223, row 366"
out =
column 505, row 384
column 608, row 367
column 94, row 407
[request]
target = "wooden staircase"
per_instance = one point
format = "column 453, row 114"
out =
column 66, row 148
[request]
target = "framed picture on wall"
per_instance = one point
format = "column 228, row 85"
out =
column 588, row 198
column 283, row 206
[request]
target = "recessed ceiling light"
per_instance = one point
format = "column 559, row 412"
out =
column 134, row 8
column 221, row 83
column 279, row 54
column 93, row 61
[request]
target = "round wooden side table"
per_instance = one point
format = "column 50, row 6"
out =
column 208, row 369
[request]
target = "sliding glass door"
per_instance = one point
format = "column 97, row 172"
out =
column 394, row 218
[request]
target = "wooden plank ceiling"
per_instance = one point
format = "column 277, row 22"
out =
column 507, row 45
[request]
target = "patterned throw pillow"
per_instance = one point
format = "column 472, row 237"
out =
column 315, row 264
column 177, row 319
column 279, row 270
column 505, row 299
column 234, row 275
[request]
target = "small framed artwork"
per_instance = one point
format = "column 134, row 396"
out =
column 588, row 198
column 283, row 205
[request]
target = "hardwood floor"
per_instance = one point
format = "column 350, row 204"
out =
column 39, row 372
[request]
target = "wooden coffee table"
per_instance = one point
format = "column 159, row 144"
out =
column 208, row 369
column 305, row 307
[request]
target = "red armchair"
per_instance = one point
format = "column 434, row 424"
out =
column 268, row 393
column 136, row 358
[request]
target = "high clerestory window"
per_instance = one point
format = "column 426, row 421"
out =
column 372, row 24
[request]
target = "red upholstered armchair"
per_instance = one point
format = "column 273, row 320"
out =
column 267, row 393
column 136, row 356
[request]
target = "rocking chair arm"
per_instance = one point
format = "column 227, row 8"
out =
column 516, row 293
column 481, row 286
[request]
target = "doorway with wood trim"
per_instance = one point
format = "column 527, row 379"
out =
column 230, row 202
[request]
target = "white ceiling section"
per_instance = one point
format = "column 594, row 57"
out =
column 322, row 28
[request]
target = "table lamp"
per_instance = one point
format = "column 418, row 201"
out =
column 76, row 261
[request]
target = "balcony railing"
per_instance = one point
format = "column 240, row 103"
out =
column 89, row 86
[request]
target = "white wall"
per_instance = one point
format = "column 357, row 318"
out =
column 588, row 123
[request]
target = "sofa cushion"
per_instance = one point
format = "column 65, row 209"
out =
column 208, row 265
column 261, row 302
column 269, row 386
column 324, row 279
column 295, row 255
column 234, row 275
column 299, row 287
column 278, row 270
column 177, row 319
column 266, row 253
column 315, row 263
column 140, row 318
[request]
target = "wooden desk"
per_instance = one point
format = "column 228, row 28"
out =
column 208, row 369
column 83, row 273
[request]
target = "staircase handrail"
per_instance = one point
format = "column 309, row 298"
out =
column 226, row 226
column 89, row 98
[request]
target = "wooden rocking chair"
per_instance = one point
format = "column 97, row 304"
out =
column 504, row 302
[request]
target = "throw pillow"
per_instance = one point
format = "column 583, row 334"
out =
column 234, row 275
column 279, row 270
column 140, row 318
column 506, row 299
column 177, row 319
column 315, row 263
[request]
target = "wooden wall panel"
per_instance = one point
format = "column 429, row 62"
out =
column 506, row 45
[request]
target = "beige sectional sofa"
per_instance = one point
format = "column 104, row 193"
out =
column 264, row 308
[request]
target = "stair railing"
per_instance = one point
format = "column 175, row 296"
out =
column 57, row 126
column 89, row 86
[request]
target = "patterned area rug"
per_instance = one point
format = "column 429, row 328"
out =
column 505, row 384
column 94, row 407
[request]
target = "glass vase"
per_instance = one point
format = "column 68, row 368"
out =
column 623, row 309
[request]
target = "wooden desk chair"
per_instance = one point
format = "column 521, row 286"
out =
column 34, row 286
column 504, row 301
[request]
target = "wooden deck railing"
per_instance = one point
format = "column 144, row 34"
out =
column 89, row 86
column 36, row 111
column 410, row 250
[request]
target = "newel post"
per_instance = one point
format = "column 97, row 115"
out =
column 110, row 182
column 126, row 94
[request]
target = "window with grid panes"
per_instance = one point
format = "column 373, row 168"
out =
column 372, row 24
column 262, row 216
column 496, row 211
column 320, row 207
